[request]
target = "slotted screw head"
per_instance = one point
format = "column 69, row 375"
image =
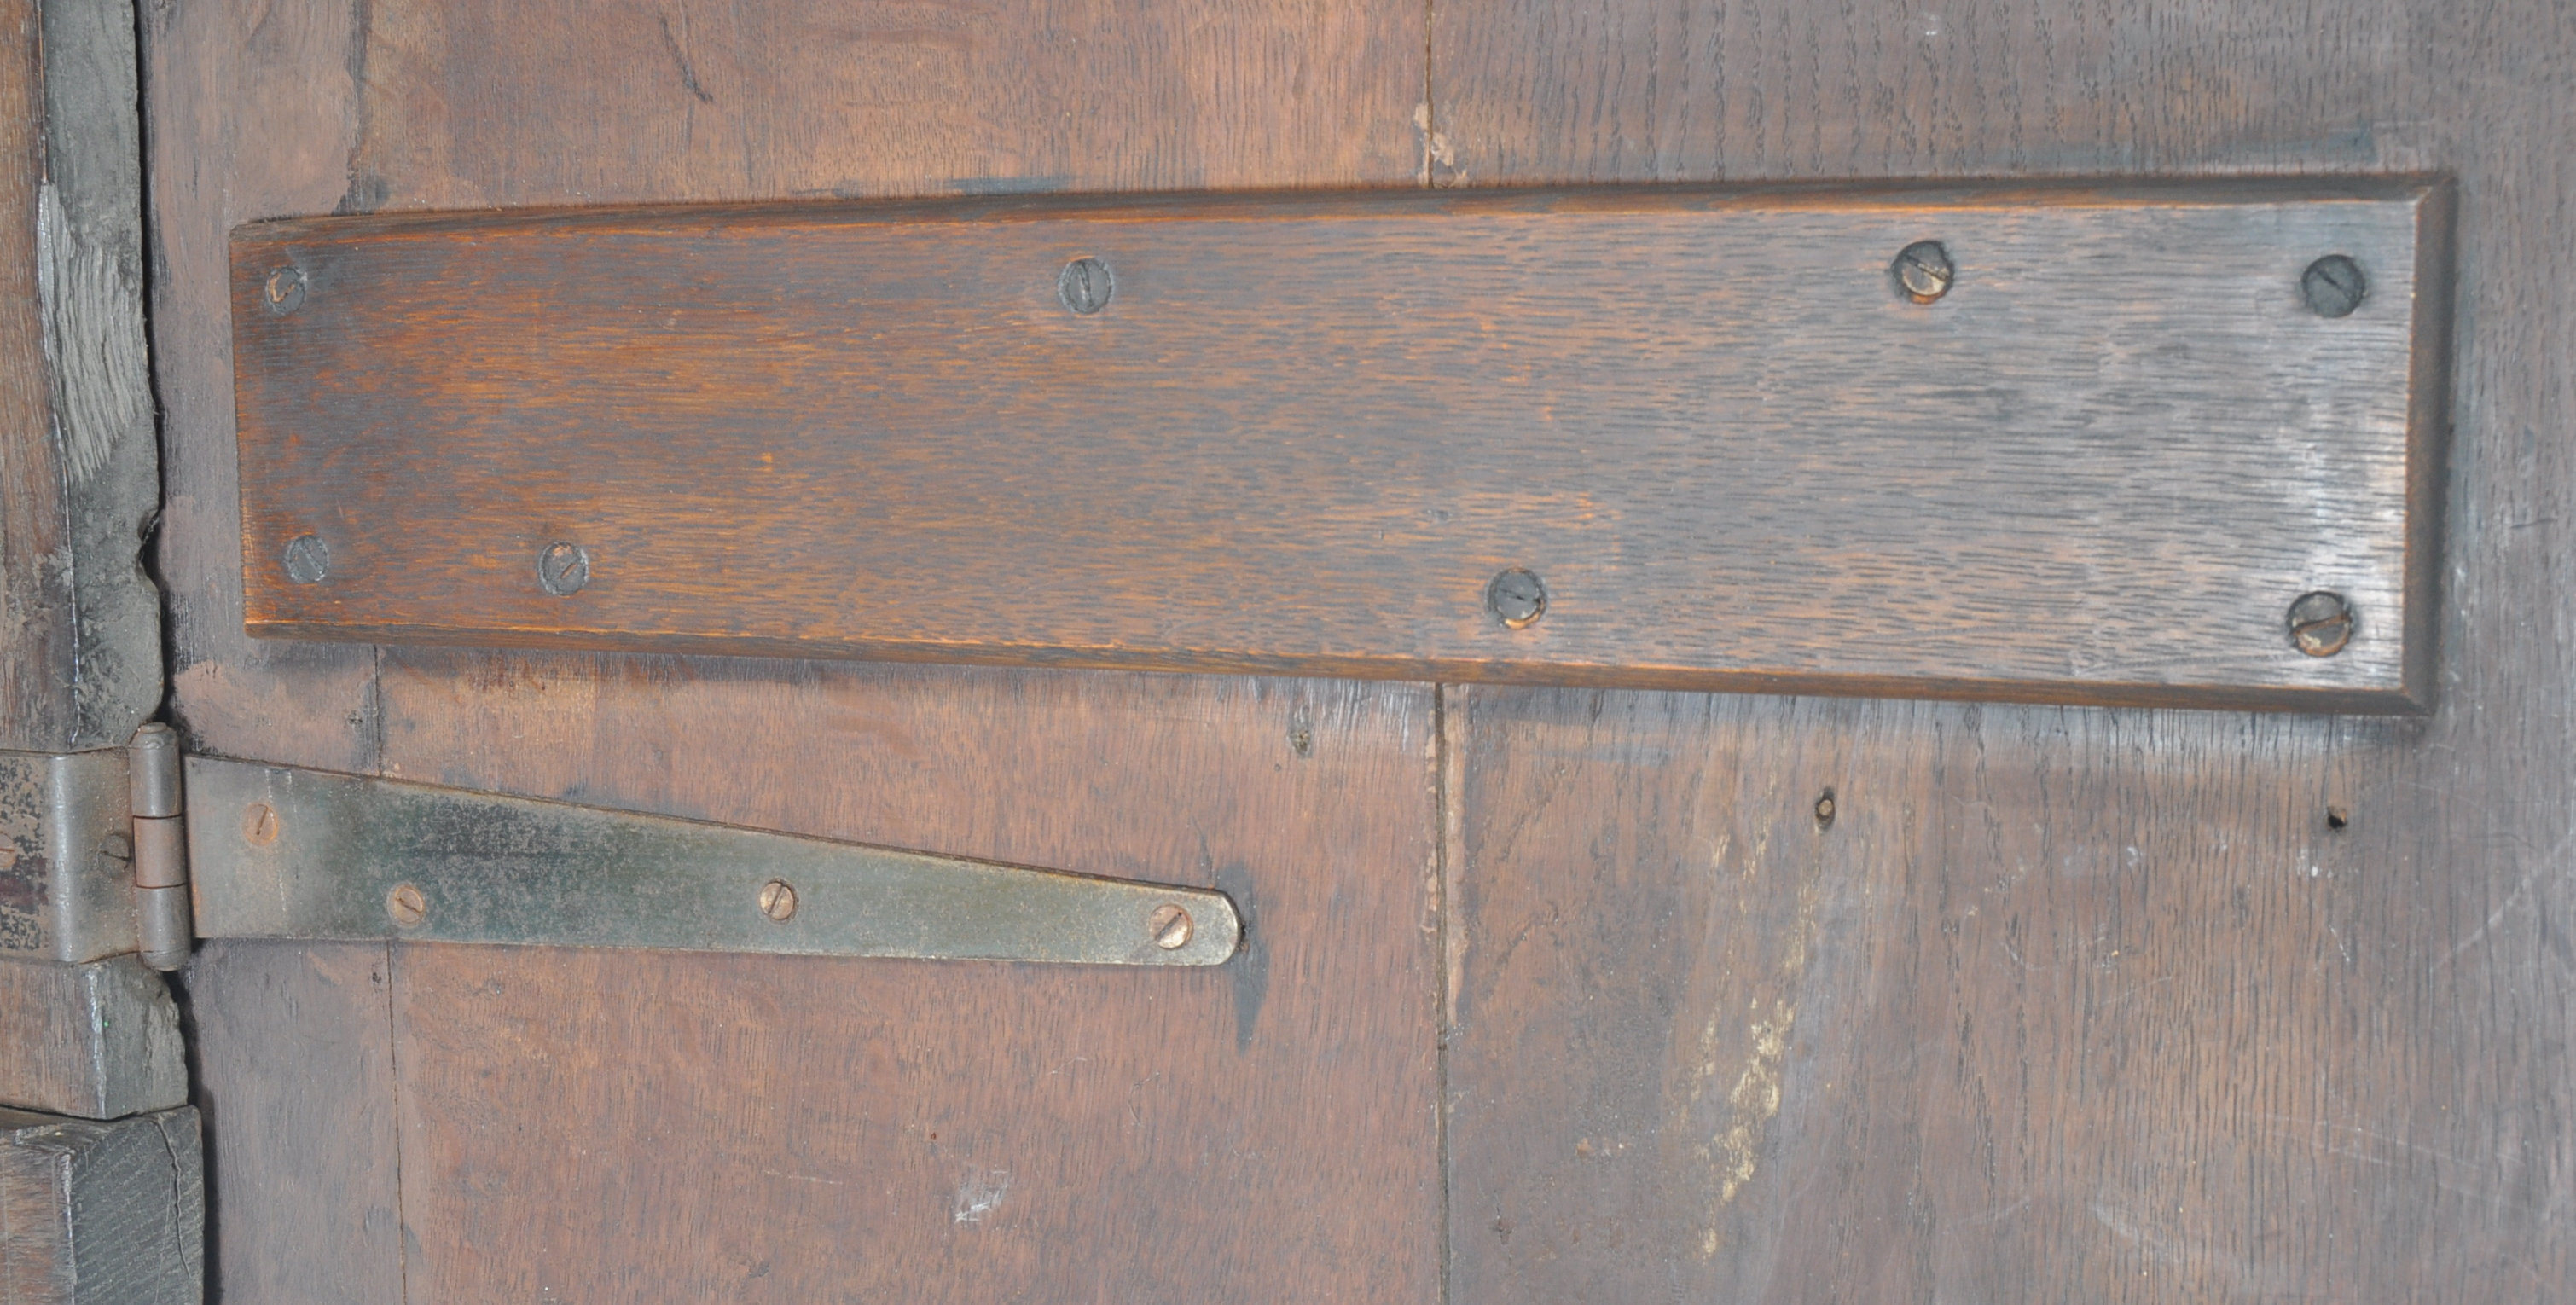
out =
column 2334, row 285
column 283, row 290
column 308, row 559
column 562, row 569
column 406, row 905
column 777, row 899
column 1923, row 271
column 1170, row 926
column 1085, row 285
column 2321, row 623
column 1516, row 597
column 259, row 824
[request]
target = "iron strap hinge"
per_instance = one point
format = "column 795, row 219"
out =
column 280, row 852
column 94, row 853
column 98, row 857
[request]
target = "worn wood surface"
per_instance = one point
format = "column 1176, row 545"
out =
column 1262, row 1130
column 295, row 1076
column 101, row 1213
column 99, row 1040
column 1306, row 433
column 80, row 642
column 302, row 109
column 2066, row 1004
column 2424, row 1149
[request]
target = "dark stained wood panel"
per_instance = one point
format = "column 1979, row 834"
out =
column 682, row 1128
column 306, row 107
column 1306, row 433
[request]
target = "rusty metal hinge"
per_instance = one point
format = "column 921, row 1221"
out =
column 280, row 852
column 93, row 856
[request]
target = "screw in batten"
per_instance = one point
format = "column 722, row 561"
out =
column 283, row 291
column 1170, row 925
column 2334, row 286
column 1923, row 271
column 778, row 899
column 2321, row 623
column 562, row 569
column 1516, row 597
column 308, row 559
column 1085, row 286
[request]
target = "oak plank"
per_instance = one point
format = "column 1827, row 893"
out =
column 1262, row 1130
column 80, row 649
column 306, row 108
column 296, row 1078
column 253, row 113
column 2323, row 1064
column 101, row 1213
column 98, row 1040
column 1305, row 433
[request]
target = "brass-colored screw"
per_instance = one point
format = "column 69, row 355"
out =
column 406, row 905
column 778, row 899
column 259, row 824
column 2321, row 623
column 1825, row 810
column 284, row 290
column 1516, row 597
column 1170, row 926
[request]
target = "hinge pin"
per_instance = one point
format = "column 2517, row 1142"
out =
column 165, row 919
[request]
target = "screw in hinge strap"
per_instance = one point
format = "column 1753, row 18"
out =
column 165, row 924
column 778, row 900
column 407, row 905
column 1170, row 925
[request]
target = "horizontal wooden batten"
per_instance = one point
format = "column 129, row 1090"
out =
column 1306, row 433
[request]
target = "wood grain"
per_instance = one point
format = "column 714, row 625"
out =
column 99, row 1040
column 1306, row 433
column 251, row 110
column 315, row 106
column 2067, row 1004
column 80, row 644
column 295, row 1075
column 1264, row 1130
column 305, row 107
column 101, row 1213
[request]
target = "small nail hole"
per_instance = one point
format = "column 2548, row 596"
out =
column 2338, row 818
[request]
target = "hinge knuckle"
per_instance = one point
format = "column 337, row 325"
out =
column 165, row 925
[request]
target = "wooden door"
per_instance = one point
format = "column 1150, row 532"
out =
column 1553, row 993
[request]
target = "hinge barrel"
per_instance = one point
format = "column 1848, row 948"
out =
column 164, row 917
